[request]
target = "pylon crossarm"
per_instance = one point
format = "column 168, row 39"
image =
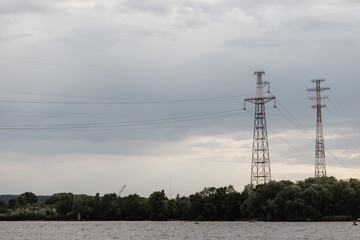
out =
column 260, row 100
column 315, row 98
column 318, row 89
column 318, row 80
column 321, row 106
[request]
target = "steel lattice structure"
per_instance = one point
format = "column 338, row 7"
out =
column 260, row 164
column 320, row 166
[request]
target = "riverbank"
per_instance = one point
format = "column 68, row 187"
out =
column 313, row 199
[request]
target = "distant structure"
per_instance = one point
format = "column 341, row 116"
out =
column 260, row 163
column 121, row 190
column 320, row 167
column 170, row 188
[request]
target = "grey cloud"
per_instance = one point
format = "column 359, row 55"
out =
column 309, row 23
column 15, row 36
column 159, row 7
column 56, row 147
column 92, row 38
column 269, row 42
column 188, row 13
column 165, row 7
column 130, row 55
column 285, row 3
column 22, row 6
column 190, row 22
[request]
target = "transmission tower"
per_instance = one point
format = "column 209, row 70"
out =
column 260, row 163
column 320, row 167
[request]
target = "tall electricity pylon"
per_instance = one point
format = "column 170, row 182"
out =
column 260, row 163
column 320, row 167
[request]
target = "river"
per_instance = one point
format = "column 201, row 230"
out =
column 178, row 230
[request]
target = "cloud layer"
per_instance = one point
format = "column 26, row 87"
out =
column 136, row 92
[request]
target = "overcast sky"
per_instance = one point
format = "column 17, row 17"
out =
column 95, row 94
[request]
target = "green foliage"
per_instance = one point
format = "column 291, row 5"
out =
column 2, row 206
column 158, row 206
column 316, row 199
column 30, row 212
column 214, row 204
column 178, row 206
column 64, row 204
column 109, row 208
column 82, row 206
column 134, row 207
column 23, row 200
column 27, row 198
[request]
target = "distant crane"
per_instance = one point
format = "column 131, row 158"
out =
column 121, row 190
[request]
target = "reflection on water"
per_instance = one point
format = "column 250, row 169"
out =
column 178, row 230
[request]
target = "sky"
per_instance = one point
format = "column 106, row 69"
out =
column 98, row 94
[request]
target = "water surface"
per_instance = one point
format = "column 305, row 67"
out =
column 178, row 230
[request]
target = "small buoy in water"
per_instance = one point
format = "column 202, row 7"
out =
column 355, row 223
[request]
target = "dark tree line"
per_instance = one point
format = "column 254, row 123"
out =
column 311, row 199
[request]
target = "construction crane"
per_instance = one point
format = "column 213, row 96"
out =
column 121, row 190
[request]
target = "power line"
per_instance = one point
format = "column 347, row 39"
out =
column 292, row 116
column 285, row 141
column 338, row 160
column 121, row 102
column 303, row 129
column 122, row 124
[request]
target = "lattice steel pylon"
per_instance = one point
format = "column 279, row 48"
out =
column 320, row 166
column 260, row 162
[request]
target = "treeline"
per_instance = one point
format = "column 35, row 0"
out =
column 8, row 197
column 311, row 199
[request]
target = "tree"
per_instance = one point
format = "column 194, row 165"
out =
column 13, row 203
column 158, row 206
column 96, row 207
column 27, row 198
column 134, row 207
column 109, row 207
column 2, row 206
column 232, row 205
column 81, row 207
column 63, row 203
column 178, row 207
